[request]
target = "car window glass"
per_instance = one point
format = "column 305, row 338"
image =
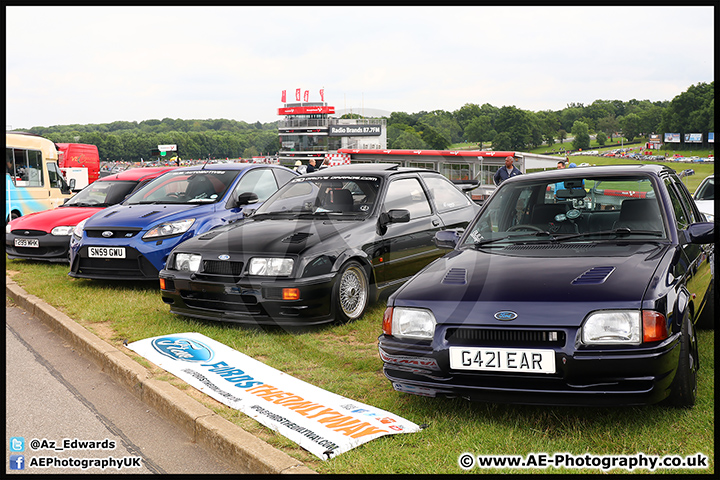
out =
column 282, row 176
column 260, row 181
column 680, row 211
column 347, row 195
column 56, row 178
column 407, row 194
column 197, row 186
column 100, row 193
column 687, row 200
column 706, row 190
column 28, row 167
column 444, row 193
column 585, row 206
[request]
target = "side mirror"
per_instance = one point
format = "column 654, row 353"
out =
column 72, row 184
column 245, row 198
column 700, row 233
column 391, row 216
column 446, row 238
column 394, row 216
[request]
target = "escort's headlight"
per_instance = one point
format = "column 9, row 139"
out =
column 169, row 229
column 405, row 322
column 271, row 267
column 78, row 231
column 63, row 230
column 8, row 228
column 613, row 327
column 187, row 262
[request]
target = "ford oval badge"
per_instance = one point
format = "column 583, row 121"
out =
column 107, row 234
column 224, row 257
column 181, row 348
column 506, row 315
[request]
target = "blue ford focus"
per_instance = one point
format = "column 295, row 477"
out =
column 581, row 286
column 132, row 240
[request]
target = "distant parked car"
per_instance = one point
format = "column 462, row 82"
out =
column 131, row 241
column 320, row 250
column 704, row 197
column 45, row 235
column 575, row 300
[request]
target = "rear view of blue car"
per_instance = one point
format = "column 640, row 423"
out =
column 132, row 240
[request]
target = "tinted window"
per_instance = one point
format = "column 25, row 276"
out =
column 198, row 186
column 260, row 181
column 407, row 194
column 444, row 193
column 102, row 193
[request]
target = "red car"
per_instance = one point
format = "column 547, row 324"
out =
column 45, row 235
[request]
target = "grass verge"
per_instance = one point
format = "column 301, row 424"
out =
column 344, row 359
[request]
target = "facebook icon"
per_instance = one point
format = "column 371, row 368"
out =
column 17, row 462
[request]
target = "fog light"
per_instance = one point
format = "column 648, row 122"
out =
column 291, row 293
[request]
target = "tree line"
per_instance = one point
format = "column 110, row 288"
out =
column 506, row 128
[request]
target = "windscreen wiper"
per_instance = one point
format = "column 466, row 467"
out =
column 482, row 243
column 618, row 232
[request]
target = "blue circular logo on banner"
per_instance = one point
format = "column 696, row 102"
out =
column 182, row 348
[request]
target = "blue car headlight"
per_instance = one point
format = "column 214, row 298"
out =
column 613, row 327
column 78, row 231
column 169, row 229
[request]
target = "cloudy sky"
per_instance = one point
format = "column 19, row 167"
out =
column 79, row 65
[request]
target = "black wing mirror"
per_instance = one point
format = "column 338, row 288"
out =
column 245, row 198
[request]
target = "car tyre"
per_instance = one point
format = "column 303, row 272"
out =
column 351, row 292
column 684, row 387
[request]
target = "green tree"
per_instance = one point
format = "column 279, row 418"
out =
column 601, row 138
column 408, row 140
column 516, row 123
column 502, row 141
column 631, row 125
column 581, row 133
column 433, row 138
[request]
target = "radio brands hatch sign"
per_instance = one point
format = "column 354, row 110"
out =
column 350, row 130
column 323, row 423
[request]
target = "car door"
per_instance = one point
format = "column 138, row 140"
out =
column 403, row 249
column 698, row 259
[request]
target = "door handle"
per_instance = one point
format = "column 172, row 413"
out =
column 435, row 223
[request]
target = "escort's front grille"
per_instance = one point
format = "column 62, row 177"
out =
column 504, row 337
column 29, row 233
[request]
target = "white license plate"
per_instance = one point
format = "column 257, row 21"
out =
column 106, row 252
column 502, row 359
column 27, row 242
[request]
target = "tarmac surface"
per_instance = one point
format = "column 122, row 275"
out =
column 241, row 450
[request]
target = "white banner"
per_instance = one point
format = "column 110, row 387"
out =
column 323, row 423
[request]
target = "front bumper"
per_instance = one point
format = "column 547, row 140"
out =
column 253, row 302
column 598, row 377
column 52, row 248
column 135, row 266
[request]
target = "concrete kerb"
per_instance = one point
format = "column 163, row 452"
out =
column 205, row 427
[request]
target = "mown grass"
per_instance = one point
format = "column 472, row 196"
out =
column 344, row 359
